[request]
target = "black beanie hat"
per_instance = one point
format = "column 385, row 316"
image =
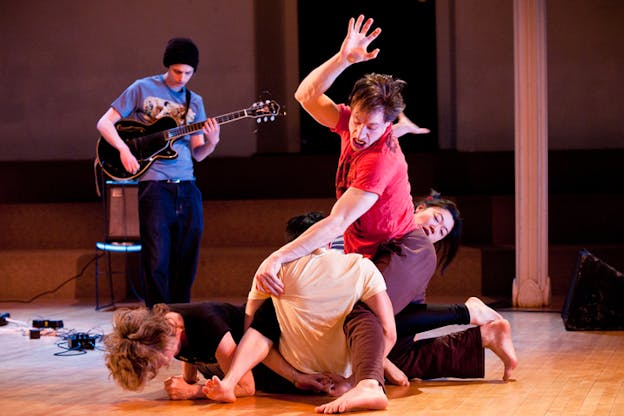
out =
column 181, row 51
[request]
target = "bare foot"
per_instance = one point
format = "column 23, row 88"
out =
column 394, row 375
column 497, row 337
column 366, row 395
column 480, row 313
column 218, row 391
column 404, row 125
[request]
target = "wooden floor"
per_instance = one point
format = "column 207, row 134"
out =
column 560, row 373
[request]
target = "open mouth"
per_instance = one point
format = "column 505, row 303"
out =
column 357, row 143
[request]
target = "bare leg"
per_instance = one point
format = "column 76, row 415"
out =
column 480, row 313
column 497, row 337
column 252, row 349
column 366, row 395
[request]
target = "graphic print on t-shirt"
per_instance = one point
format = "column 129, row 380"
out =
column 155, row 108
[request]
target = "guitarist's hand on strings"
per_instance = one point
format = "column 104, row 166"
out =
column 106, row 126
column 128, row 160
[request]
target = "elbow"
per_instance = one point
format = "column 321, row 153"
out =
column 305, row 94
column 299, row 96
column 99, row 125
column 337, row 224
column 202, row 152
column 198, row 157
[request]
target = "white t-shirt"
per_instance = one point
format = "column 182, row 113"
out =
column 320, row 290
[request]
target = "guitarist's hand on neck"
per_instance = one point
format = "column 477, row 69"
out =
column 211, row 131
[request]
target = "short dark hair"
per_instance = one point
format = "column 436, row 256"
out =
column 378, row 91
column 297, row 225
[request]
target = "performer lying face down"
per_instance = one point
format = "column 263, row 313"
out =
column 203, row 336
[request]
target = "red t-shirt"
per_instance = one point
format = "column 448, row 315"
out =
column 380, row 169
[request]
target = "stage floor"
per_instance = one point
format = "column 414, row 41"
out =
column 559, row 373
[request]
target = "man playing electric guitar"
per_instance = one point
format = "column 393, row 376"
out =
column 150, row 142
column 170, row 204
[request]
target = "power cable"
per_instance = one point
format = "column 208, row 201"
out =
column 80, row 273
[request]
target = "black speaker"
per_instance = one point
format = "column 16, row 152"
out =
column 595, row 296
column 122, row 211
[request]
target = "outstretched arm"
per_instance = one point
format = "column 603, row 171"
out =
column 351, row 206
column 311, row 91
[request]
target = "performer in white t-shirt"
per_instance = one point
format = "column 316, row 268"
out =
column 321, row 289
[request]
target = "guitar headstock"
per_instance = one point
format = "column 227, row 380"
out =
column 265, row 111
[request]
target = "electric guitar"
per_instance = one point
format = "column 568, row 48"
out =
column 149, row 142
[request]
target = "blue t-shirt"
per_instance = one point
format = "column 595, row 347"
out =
column 149, row 99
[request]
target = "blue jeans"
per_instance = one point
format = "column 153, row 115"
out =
column 171, row 221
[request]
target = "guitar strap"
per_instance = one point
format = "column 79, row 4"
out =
column 188, row 102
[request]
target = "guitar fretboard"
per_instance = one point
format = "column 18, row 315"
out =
column 180, row 131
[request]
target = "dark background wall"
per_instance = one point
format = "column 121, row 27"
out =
column 63, row 62
column 408, row 51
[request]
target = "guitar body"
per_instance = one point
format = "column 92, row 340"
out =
column 147, row 142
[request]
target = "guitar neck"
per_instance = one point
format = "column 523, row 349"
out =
column 180, row 131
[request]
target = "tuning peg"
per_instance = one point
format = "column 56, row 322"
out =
column 272, row 118
column 265, row 119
